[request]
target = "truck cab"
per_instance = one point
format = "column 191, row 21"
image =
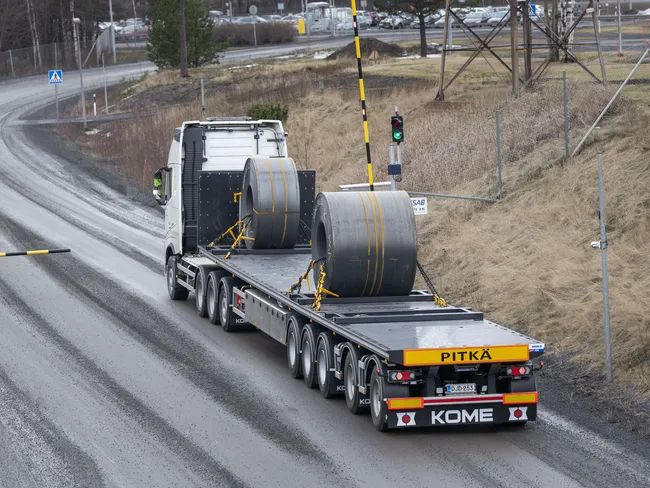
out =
column 217, row 144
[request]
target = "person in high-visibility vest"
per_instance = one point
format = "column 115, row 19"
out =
column 157, row 186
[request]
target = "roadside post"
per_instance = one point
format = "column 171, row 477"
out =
column 11, row 63
column 202, row 101
column 499, row 180
column 566, row 116
column 253, row 11
column 620, row 34
column 55, row 77
column 76, row 22
column 602, row 245
column 56, row 85
column 94, row 104
column 105, row 87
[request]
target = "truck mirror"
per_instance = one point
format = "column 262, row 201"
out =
column 158, row 188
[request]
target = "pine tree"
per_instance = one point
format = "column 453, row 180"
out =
column 163, row 45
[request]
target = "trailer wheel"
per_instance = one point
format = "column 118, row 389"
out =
column 227, row 317
column 212, row 297
column 293, row 348
column 308, row 355
column 200, row 293
column 325, row 364
column 352, row 395
column 380, row 390
column 176, row 291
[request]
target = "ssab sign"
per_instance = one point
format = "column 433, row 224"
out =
column 419, row 205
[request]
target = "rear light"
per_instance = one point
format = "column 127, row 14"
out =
column 518, row 370
column 398, row 376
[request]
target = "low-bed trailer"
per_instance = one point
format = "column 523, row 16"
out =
column 405, row 359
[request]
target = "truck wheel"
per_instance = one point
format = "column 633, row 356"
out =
column 325, row 364
column 176, row 291
column 200, row 293
column 293, row 348
column 352, row 394
column 308, row 355
column 212, row 297
column 227, row 317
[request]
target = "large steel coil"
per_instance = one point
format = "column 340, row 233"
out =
column 366, row 242
column 271, row 197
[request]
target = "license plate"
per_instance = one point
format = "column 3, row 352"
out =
column 461, row 388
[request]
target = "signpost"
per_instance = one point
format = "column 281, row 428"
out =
column 253, row 11
column 55, row 77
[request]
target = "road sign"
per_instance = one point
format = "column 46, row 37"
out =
column 55, row 76
column 420, row 206
column 280, row 6
column 252, row 9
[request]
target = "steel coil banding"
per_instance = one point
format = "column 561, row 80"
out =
column 271, row 196
column 368, row 240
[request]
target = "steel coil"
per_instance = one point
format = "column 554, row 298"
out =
column 271, row 197
column 366, row 242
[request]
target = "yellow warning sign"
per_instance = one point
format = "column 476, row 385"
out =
column 466, row 355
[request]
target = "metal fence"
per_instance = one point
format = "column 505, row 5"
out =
column 30, row 61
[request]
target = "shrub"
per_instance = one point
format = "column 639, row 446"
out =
column 242, row 35
column 269, row 111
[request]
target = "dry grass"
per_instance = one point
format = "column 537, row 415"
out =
column 525, row 261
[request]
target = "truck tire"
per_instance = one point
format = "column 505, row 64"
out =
column 176, row 291
column 227, row 318
column 293, row 348
column 352, row 395
column 212, row 297
column 325, row 365
column 308, row 354
column 200, row 292
column 379, row 390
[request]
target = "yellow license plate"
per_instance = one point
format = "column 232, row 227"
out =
column 466, row 355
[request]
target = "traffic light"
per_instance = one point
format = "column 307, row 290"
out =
column 397, row 124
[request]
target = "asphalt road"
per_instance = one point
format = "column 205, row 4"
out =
column 106, row 382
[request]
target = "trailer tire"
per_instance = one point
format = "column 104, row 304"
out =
column 325, row 364
column 212, row 297
column 176, row 291
column 227, row 317
column 200, row 292
column 293, row 348
column 379, row 390
column 308, row 354
column 350, row 375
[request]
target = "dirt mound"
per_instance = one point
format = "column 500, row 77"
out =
column 368, row 46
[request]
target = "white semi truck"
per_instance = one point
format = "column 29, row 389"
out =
column 405, row 359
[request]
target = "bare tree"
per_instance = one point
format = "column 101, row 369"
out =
column 74, row 32
column 183, row 40
column 33, row 30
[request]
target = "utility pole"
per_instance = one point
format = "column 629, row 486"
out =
column 110, row 13
column 183, row 39
column 514, row 46
column 555, row 55
column 76, row 21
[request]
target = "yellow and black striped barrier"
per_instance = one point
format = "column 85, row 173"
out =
column 362, row 94
column 32, row 253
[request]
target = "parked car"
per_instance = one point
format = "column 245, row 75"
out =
column 392, row 22
column 272, row 18
column 363, row 19
column 291, row 19
column 429, row 20
column 251, row 19
column 495, row 19
column 476, row 19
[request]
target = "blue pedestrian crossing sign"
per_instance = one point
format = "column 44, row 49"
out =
column 55, row 76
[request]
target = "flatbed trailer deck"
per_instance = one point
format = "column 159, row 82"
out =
column 395, row 328
column 456, row 367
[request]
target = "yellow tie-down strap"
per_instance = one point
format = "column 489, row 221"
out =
column 466, row 355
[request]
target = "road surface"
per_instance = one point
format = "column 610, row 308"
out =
column 106, row 382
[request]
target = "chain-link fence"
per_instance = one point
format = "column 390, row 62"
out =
column 32, row 61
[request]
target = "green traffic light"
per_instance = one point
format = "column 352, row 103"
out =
column 397, row 135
